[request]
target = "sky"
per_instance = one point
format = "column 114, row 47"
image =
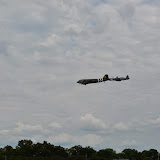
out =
column 47, row 46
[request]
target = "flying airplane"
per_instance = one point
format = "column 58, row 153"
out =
column 119, row 78
column 87, row 81
column 105, row 78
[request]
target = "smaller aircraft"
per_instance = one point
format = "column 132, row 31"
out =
column 119, row 78
column 87, row 81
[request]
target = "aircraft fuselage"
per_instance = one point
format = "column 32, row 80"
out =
column 87, row 81
column 120, row 78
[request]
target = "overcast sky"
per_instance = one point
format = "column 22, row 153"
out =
column 47, row 46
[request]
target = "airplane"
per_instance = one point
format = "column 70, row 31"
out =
column 119, row 78
column 87, row 81
column 105, row 78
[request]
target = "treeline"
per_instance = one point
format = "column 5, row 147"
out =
column 27, row 150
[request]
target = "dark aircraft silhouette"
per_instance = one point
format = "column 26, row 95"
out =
column 119, row 78
column 105, row 78
column 87, row 81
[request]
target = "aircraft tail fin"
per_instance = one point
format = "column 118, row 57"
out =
column 106, row 77
column 127, row 77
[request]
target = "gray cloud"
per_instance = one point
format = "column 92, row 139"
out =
column 45, row 47
column 92, row 123
column 127, row 12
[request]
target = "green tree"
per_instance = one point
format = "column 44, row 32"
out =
column 80, row 152
column 60, row 151
column 152, row 153
column 25, row 148
column 107, row 153
column 131, row 154
column 76, row 150
column 8, row 151
column 147, row 158
column 48, row 150
column 89, row 152
column 42, row 150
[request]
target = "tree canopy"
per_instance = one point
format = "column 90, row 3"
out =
column 27, row 150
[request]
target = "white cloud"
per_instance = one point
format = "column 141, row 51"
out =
column 129, row 143
column 61, row 138
column 4, row 132
column 27, row 128
column 51, row 40
column 92, row 123
column 90, row 140
column 121, row 126
column 55, row 125
column 155, row 121
column 85, row 140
